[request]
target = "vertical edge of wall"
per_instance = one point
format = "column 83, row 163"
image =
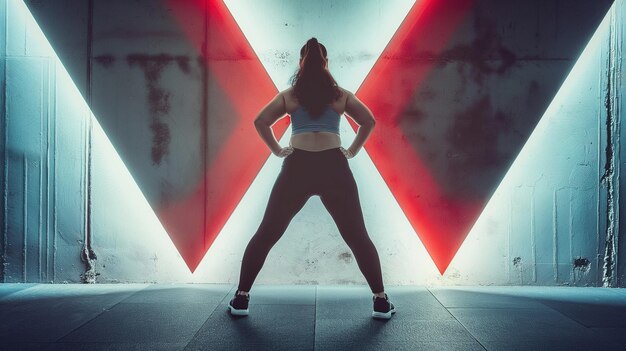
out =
column 88, row 255
column 613, row 130
column 617, row 106
column 603, row 163
column 50, row 177
column 3, row 150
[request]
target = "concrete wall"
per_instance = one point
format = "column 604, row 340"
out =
column 128, row 116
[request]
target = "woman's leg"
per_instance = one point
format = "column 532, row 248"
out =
column 341, row 199
column 286, row 199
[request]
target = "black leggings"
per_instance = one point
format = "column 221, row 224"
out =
column 304, row 174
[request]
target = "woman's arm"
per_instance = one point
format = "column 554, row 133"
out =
column 363, row 117
column 268, row 115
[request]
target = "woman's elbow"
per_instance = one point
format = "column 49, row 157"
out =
column 259, row 122
column 369, row 123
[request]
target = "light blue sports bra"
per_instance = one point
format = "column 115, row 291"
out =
column 302, row 122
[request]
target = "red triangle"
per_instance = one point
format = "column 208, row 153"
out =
column 442, row 221
column 231, row 169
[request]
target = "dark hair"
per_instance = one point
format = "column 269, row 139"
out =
column 313, row 84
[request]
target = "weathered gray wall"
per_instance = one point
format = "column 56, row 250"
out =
column 45, row 159
column 72, row 211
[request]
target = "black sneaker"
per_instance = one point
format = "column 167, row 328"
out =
column 382, row 307
column 238, row 305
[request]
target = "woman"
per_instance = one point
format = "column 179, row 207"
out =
column 315, row 164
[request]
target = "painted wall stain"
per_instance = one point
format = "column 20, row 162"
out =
column 183, row 63
column 475, row 133
column 311, row 264
column 412, row 116
column 105, row 61
column 158, row 98
column 282, row 55
column 581, row 264
column 346, row 256
column 486, row 54
column 160, row 138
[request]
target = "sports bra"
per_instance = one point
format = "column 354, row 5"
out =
column 302, row 122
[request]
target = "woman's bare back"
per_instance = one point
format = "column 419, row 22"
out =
column 315, row 141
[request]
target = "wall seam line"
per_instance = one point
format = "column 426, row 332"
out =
column 5, row 188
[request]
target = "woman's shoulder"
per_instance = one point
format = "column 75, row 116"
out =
column 344, row 92
column 288, row 94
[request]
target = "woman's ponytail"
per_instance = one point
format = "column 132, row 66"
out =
column 313, row 84
column 313, row 59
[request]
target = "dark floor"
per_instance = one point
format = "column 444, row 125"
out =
column 308, row 317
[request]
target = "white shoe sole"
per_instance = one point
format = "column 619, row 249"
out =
column 383, row 315
column 237, row 312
